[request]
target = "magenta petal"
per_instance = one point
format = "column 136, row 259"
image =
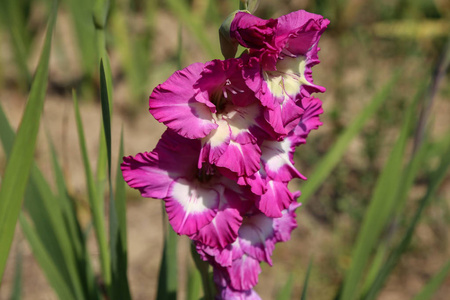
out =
column 190, row 206
column 152, row 173
column 277, row 158
column 142, row 173
column 227, row 293
column 222, row 79
column 222, row 230
column 309, row 121
column 173, row 104
column 251, row 31
column 276, row 198
column 244, row 272
column 290, row 114
column 283, row 226
column 215, row 144
column 255, row 237
column 240, row 159
column 300, row 30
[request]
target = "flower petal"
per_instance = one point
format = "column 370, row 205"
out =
column 190, row 206
column 300, row 30
column 222, row 230
column 173, row 104
column 142, row 173
column 255, row 237
column 277, row 198
column 240, row 159
column 152, row 173
column 277, row 158
column 243, row 273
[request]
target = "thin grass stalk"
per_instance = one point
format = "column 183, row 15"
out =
column 95, row 202
column 436, row 178
column 334, row 155
column 438, row 75
column 168, row 270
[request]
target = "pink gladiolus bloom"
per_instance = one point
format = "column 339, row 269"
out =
column 279, row 70
column 199, row 202
column 211, row 102
column 224, row 164
column 237, row 266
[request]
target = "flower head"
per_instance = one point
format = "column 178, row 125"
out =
column 224, row 164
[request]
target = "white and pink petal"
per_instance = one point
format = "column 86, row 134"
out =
column 277, row 158
column 190, row 206
column 275, row 200
column 173, row 103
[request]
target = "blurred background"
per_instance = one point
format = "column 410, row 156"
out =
column 393, row 49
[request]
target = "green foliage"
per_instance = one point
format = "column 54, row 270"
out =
column 286, row 292
column 334, row 155
column 21, row 158
column 305, row 284
column 168, row 270
column 49, row 218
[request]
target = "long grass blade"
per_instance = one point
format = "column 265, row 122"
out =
column 434, row 283
column 50, row 269
column 380, row 209
column 68, row 208
column 50, row 225
column 436, row 179
column 14, row 21
column 286, row 292
column 118, row 237
column 96, row 202
column 305, row 284
column 119, row 282
column 334, row 155
column 194, row 284
column 19, row 163
column 168, row 271
column 16, row 292
column 81, row 13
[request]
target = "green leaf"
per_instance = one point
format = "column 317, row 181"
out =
column 194, row 284
column 286, row 292
column 50, row 269
column 168, row 270
column 203, row 267
column 305, row 285
column 404, row 185
column 16, row 293
column 68, row 209
column 120, row 198
column 118, row 236
column 334, row 155
column 380, row 209
column 19, row 163
column 106, row 114
column 11, row 12
column 44, row 211
column 435, row 180
column 81, row 14
column 119, row 288
column 434, row 283
column 96, row 202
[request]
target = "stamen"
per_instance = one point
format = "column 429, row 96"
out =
column 206, row 172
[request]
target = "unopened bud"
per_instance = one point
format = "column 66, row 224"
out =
column 228, row 46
